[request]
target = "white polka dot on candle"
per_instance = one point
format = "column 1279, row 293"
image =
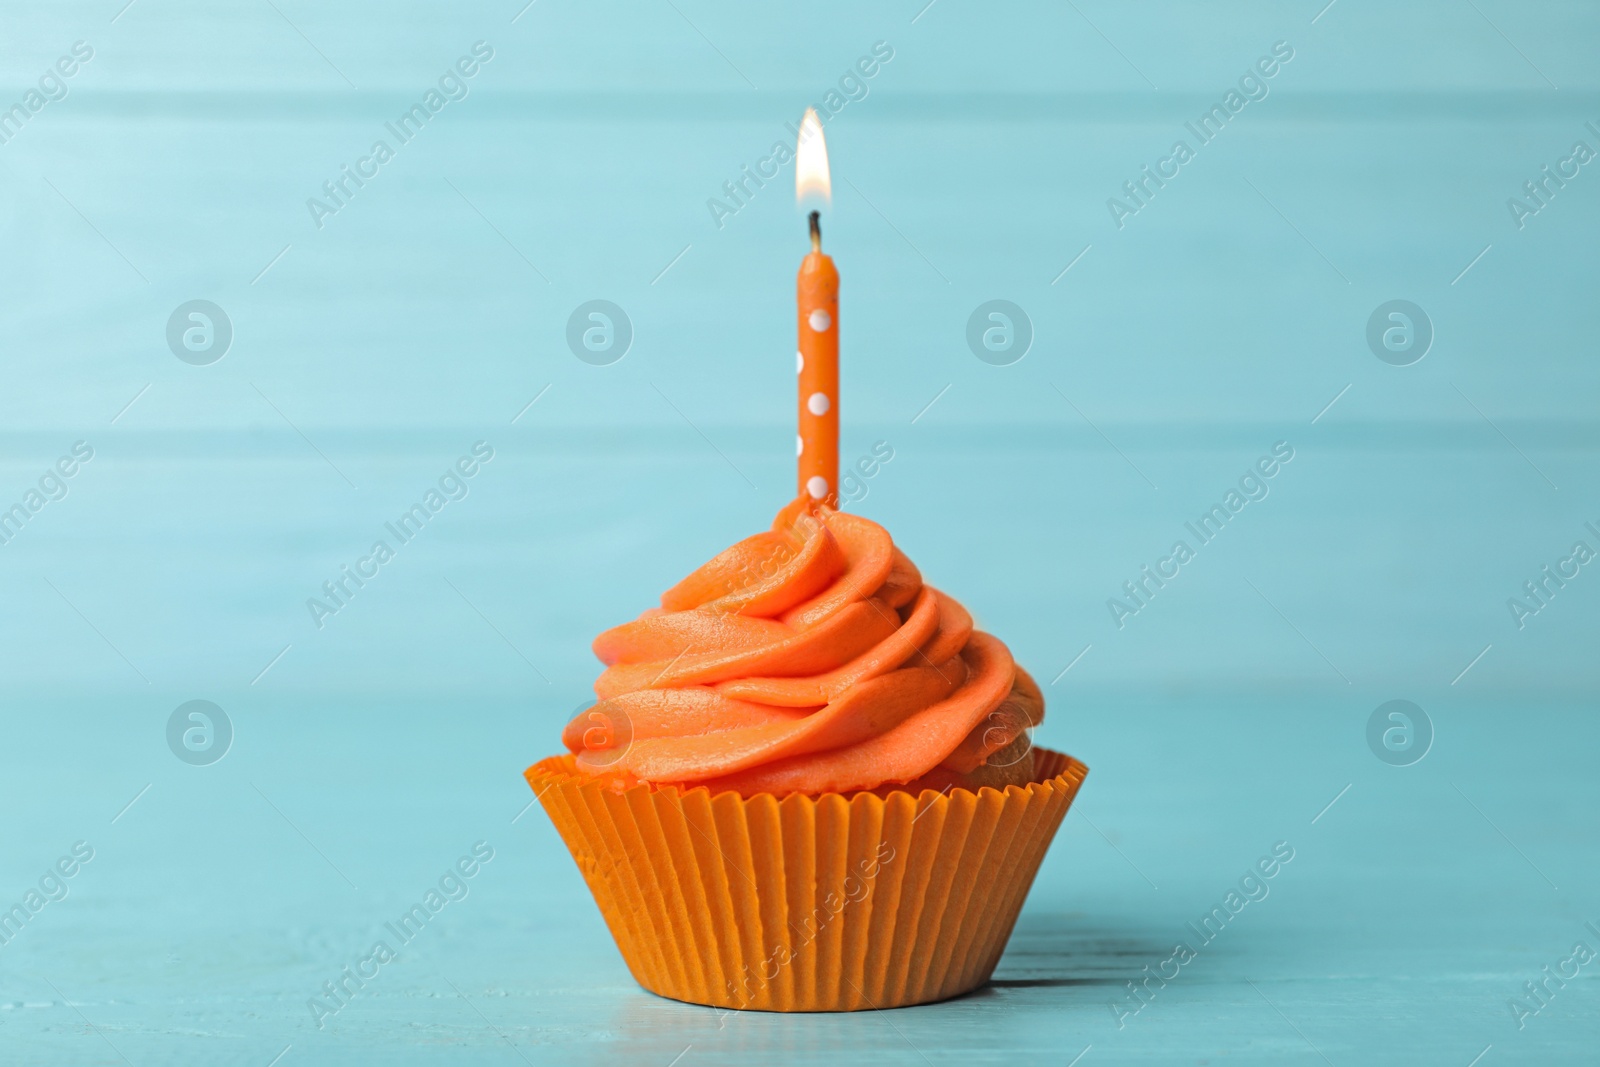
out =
column 817, row 403
column 820, row 320
column 799, row 445
column 817, row 486
column 799, row 361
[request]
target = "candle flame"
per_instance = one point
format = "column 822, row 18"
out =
column 811, row 177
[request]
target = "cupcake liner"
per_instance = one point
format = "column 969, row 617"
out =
column 827, row 903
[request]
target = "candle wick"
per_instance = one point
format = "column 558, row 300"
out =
column 816, row 231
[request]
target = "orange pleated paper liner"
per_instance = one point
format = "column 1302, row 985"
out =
column 827, row 903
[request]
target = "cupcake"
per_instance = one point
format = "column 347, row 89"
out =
column 807, row 783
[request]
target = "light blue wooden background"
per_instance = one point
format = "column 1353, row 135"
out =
column 1225, row 316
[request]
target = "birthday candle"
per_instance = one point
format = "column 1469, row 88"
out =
column 817, row 356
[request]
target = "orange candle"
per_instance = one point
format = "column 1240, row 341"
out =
column 817, row 356
column 817, row 363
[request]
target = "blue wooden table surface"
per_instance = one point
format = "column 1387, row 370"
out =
column 182, row 503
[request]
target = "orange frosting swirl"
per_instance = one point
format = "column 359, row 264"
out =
column 809, row 659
